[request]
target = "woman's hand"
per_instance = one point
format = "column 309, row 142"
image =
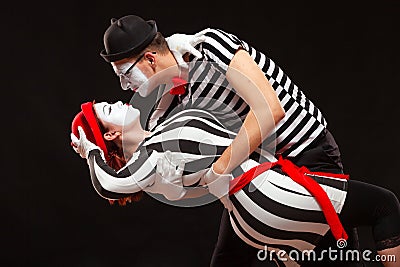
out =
column 180, row 44
column 83, row 146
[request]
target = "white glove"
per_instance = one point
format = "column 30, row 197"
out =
column 168, row 179
column 83, row 146
column 180, row 44
column 218, row 185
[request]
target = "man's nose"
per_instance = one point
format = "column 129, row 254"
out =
column 125, row 84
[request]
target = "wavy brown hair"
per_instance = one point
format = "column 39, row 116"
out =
column 117, row 161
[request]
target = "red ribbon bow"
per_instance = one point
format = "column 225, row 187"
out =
column 179, row 86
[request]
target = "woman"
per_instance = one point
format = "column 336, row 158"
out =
column 109, row 121
column 269, row 208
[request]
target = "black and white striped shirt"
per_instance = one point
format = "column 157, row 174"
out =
column 209, row 90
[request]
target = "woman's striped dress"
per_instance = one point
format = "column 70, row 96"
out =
column 272, row 210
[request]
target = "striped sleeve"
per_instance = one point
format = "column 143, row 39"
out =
column 220, row 47
column 133, row 178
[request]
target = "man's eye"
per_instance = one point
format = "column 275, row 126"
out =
column 109, row 110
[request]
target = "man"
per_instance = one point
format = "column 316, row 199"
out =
column 248, row 92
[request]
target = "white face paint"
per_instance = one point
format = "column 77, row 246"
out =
column 118, row 113
column 134, row 80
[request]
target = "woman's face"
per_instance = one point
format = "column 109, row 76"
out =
column 117, row 114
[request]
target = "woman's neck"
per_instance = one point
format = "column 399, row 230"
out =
column 132, row 137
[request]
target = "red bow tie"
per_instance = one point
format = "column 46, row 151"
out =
column 179, row 86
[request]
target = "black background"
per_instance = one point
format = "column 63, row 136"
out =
column 344, row 56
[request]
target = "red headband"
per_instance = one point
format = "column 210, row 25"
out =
column 88, row 121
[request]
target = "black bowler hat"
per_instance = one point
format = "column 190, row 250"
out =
column 127, row 36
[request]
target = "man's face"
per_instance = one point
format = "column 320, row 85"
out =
column 131, row 78
column 134, row 74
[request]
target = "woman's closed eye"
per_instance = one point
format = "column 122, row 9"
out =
column 105, row 111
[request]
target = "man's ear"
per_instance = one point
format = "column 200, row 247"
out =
column 111, row 135
column 150, row 57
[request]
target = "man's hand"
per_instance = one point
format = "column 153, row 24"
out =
column 168, row 180
column 218, row 185
column 180, row 44
column 83, row 146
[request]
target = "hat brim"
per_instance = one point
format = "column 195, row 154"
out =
column 134, row 50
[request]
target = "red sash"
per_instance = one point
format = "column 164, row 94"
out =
column 301, row 176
